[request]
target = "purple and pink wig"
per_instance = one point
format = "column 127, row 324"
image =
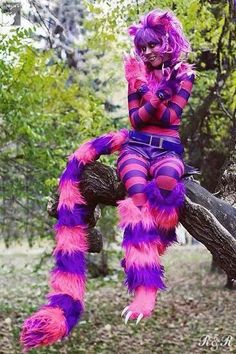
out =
column 65, row 305
column 165, row 30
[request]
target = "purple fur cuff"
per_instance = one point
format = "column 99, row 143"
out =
column 149, row 276
column 156, row 199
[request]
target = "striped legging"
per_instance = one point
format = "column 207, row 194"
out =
column 135, row 171
column 148, row 217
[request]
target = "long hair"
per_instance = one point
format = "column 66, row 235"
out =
column 164, row 29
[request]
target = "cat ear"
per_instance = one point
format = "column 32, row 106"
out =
column 133, row 29
column 165, row 21
column 164, row 16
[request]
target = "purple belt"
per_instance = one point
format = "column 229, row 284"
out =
column 155, row 141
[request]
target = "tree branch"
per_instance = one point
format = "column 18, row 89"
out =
column 207, row 218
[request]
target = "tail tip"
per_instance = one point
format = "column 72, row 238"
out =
column 45, row 327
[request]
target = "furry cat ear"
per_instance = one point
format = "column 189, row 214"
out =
column 133, row 29
column 165, row 21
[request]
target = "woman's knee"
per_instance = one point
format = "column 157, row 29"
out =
column 167, row 177
column 166, row 182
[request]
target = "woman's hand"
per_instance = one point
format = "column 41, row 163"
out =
column 170, row 84
column 135, row 71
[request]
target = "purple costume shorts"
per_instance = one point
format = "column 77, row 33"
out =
column 150, row 153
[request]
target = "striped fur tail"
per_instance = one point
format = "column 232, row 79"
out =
column 56, row 319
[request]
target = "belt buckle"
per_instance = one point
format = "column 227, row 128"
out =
column 160, row 143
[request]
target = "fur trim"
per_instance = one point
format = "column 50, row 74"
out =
column 165, row 210
column 148, row 276
column 129, row 214
column 72, row 308
column 147, row 217
column 142, row 255
column 134, row 235
column 156, row 199
column 45, row 327
column 166, row 219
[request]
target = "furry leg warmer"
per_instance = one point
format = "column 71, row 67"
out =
column 142, row 245
column 165, row 210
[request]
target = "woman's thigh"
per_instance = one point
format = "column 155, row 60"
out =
column 133, row 172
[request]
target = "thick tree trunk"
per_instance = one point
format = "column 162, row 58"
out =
column 226, row 187
column 209, row 219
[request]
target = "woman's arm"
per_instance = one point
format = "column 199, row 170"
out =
column 140, row 115
column 154, row 109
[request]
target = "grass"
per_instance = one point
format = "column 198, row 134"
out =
column 196, row 305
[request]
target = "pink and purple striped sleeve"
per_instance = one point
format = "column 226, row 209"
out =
column 154, row 110
column 139, row 114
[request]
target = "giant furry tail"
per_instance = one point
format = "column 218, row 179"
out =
column 56, row 319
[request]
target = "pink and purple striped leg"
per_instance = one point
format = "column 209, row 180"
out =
column 166, row 195
column 142, row 243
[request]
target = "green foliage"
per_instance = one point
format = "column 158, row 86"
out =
column 44, row 117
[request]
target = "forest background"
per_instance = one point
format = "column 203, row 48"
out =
column 62, row 82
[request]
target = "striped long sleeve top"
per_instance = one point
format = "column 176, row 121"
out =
column 150, row 114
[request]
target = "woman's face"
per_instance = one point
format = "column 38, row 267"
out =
column 150, row 53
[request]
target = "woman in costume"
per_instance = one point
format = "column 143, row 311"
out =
column 150, row 165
